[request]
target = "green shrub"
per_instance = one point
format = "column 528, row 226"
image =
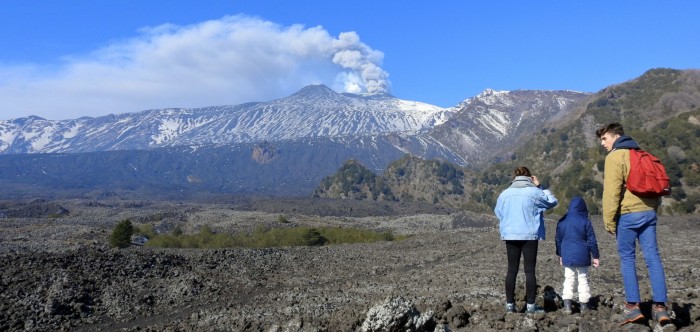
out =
column 312, row 237
column 121, row 235
column 263, row 237
column 688, row 206
column 146, row 230
column 387, row 236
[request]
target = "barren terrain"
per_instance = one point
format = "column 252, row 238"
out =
column 58, row 273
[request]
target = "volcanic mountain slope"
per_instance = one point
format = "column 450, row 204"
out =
column 659, row 110
column 469, row 129
column 314, row 111
column 281, row 147
column 496, row 122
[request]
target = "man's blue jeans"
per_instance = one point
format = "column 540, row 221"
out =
column 630, row 228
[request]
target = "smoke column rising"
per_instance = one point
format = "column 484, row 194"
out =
column 231, row 60
column 365, row 73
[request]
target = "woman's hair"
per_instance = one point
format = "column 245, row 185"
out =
column 522, row 171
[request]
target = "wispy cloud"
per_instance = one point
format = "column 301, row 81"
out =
column 232, row 60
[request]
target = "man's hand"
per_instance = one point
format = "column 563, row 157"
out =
column 596, row 262
column 560, row 261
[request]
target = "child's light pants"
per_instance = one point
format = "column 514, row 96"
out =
column 584, row 291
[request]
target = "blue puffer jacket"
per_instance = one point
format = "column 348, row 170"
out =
column 520, row 210
column 575, row 238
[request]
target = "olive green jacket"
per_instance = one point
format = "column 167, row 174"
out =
column 617, row 199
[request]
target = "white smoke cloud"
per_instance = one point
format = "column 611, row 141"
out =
column 232, row 60
column 361, row 60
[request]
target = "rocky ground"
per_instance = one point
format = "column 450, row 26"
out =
column 57, row 272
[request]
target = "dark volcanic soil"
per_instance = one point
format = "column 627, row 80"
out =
column 56, row 272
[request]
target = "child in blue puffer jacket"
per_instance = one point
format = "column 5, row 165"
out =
column 576, row 243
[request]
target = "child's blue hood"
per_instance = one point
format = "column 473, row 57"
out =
column 577, row 208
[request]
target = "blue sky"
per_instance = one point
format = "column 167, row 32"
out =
column 73, row 58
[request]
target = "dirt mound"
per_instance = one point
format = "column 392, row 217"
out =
column 33, row 209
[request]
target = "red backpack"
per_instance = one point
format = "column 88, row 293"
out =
column 647, row 176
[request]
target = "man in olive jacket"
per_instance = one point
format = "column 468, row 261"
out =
column 631, row 218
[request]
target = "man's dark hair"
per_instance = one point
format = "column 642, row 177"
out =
column 612, row 128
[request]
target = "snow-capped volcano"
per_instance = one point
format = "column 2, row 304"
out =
column 281, row 147
column 314, row 111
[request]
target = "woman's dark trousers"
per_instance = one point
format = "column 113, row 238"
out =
column 528, row 250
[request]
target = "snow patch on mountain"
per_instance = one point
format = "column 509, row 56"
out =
column 72, row 130
column 314, row 111
column 493, row 97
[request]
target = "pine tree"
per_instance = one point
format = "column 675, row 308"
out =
column 121, row 235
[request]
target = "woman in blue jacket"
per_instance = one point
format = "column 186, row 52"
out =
column 520, row 209
column 576, row 243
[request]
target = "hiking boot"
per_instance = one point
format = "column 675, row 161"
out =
column 631, row 313
column 584, row 307
column 534, row 309
column 567, row 307
column 510, row 308
column 659, row 313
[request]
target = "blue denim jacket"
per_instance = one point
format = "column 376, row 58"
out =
column 520, row 209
